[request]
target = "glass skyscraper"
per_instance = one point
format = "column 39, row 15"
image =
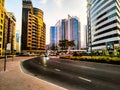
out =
column 53, row 36
column 103, row 23
column 75, row 31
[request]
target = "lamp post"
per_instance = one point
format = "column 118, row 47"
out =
column 5, row 58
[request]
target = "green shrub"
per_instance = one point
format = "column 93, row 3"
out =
column 101, row 59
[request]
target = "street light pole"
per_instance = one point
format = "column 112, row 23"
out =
column 5, row 58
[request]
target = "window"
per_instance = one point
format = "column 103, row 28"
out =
column 1, row 33
column 106, row 18
column 107, row 24
column 107, row 37
column 1, row 21
column 107, row 30
column 109, row 4
column 0, row 39
column 101, row 44
column 1, row 27
column 1, row 15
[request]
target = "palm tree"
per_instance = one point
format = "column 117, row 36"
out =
column 53, row 47
column 64, row 44
column 71, row 43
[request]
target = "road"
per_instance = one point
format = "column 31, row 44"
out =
column 74, row 75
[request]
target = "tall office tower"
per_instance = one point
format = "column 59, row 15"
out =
column 33, row 29
column 53, row 34
column 58, row 32
column 75, row 32
column 68, row 31
column 103, row 23
column 2, row 9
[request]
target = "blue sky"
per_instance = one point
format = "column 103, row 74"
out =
column 54, row 10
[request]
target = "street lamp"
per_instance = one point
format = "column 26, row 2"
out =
column 5, row 57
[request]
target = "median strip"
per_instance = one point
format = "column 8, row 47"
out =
column 85, row 79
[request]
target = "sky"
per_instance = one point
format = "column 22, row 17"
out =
column 54, row 10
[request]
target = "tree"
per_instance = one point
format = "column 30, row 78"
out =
column 64, row 44
column 53, row 47
column 71, row 43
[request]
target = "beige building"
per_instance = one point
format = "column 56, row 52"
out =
column 9, row 34
column 2, row 10
column 33, row 29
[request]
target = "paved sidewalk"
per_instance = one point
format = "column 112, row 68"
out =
column 14, row 79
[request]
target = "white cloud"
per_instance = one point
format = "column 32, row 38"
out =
column 58, row 3
column 43, row 1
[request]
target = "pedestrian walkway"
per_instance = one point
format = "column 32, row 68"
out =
column 14, row 79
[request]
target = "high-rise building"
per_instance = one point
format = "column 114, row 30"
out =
column 17, row 42
column 53, row 37
column 68, row 29
column 103, row 23
column 8, row 27
column 75, row 32
column 11, row 31
column 33, row 29
column 2, row 10
column 58, row 31
column 63, row 29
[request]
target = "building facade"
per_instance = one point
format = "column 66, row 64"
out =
column 2, row 10
column 33, row 29
column 103, row 23
column 9, row 33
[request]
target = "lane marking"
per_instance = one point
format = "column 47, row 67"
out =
column 86, row 67
column 85, row 79
column 57, row 69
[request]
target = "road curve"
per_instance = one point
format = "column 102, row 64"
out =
column 75, row 75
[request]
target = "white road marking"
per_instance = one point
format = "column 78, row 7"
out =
column 85, row 79
column 57, row 69
column 86, row 67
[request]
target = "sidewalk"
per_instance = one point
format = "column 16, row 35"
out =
column 14, row 79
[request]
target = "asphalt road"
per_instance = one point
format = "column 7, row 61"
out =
column 75, row 75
